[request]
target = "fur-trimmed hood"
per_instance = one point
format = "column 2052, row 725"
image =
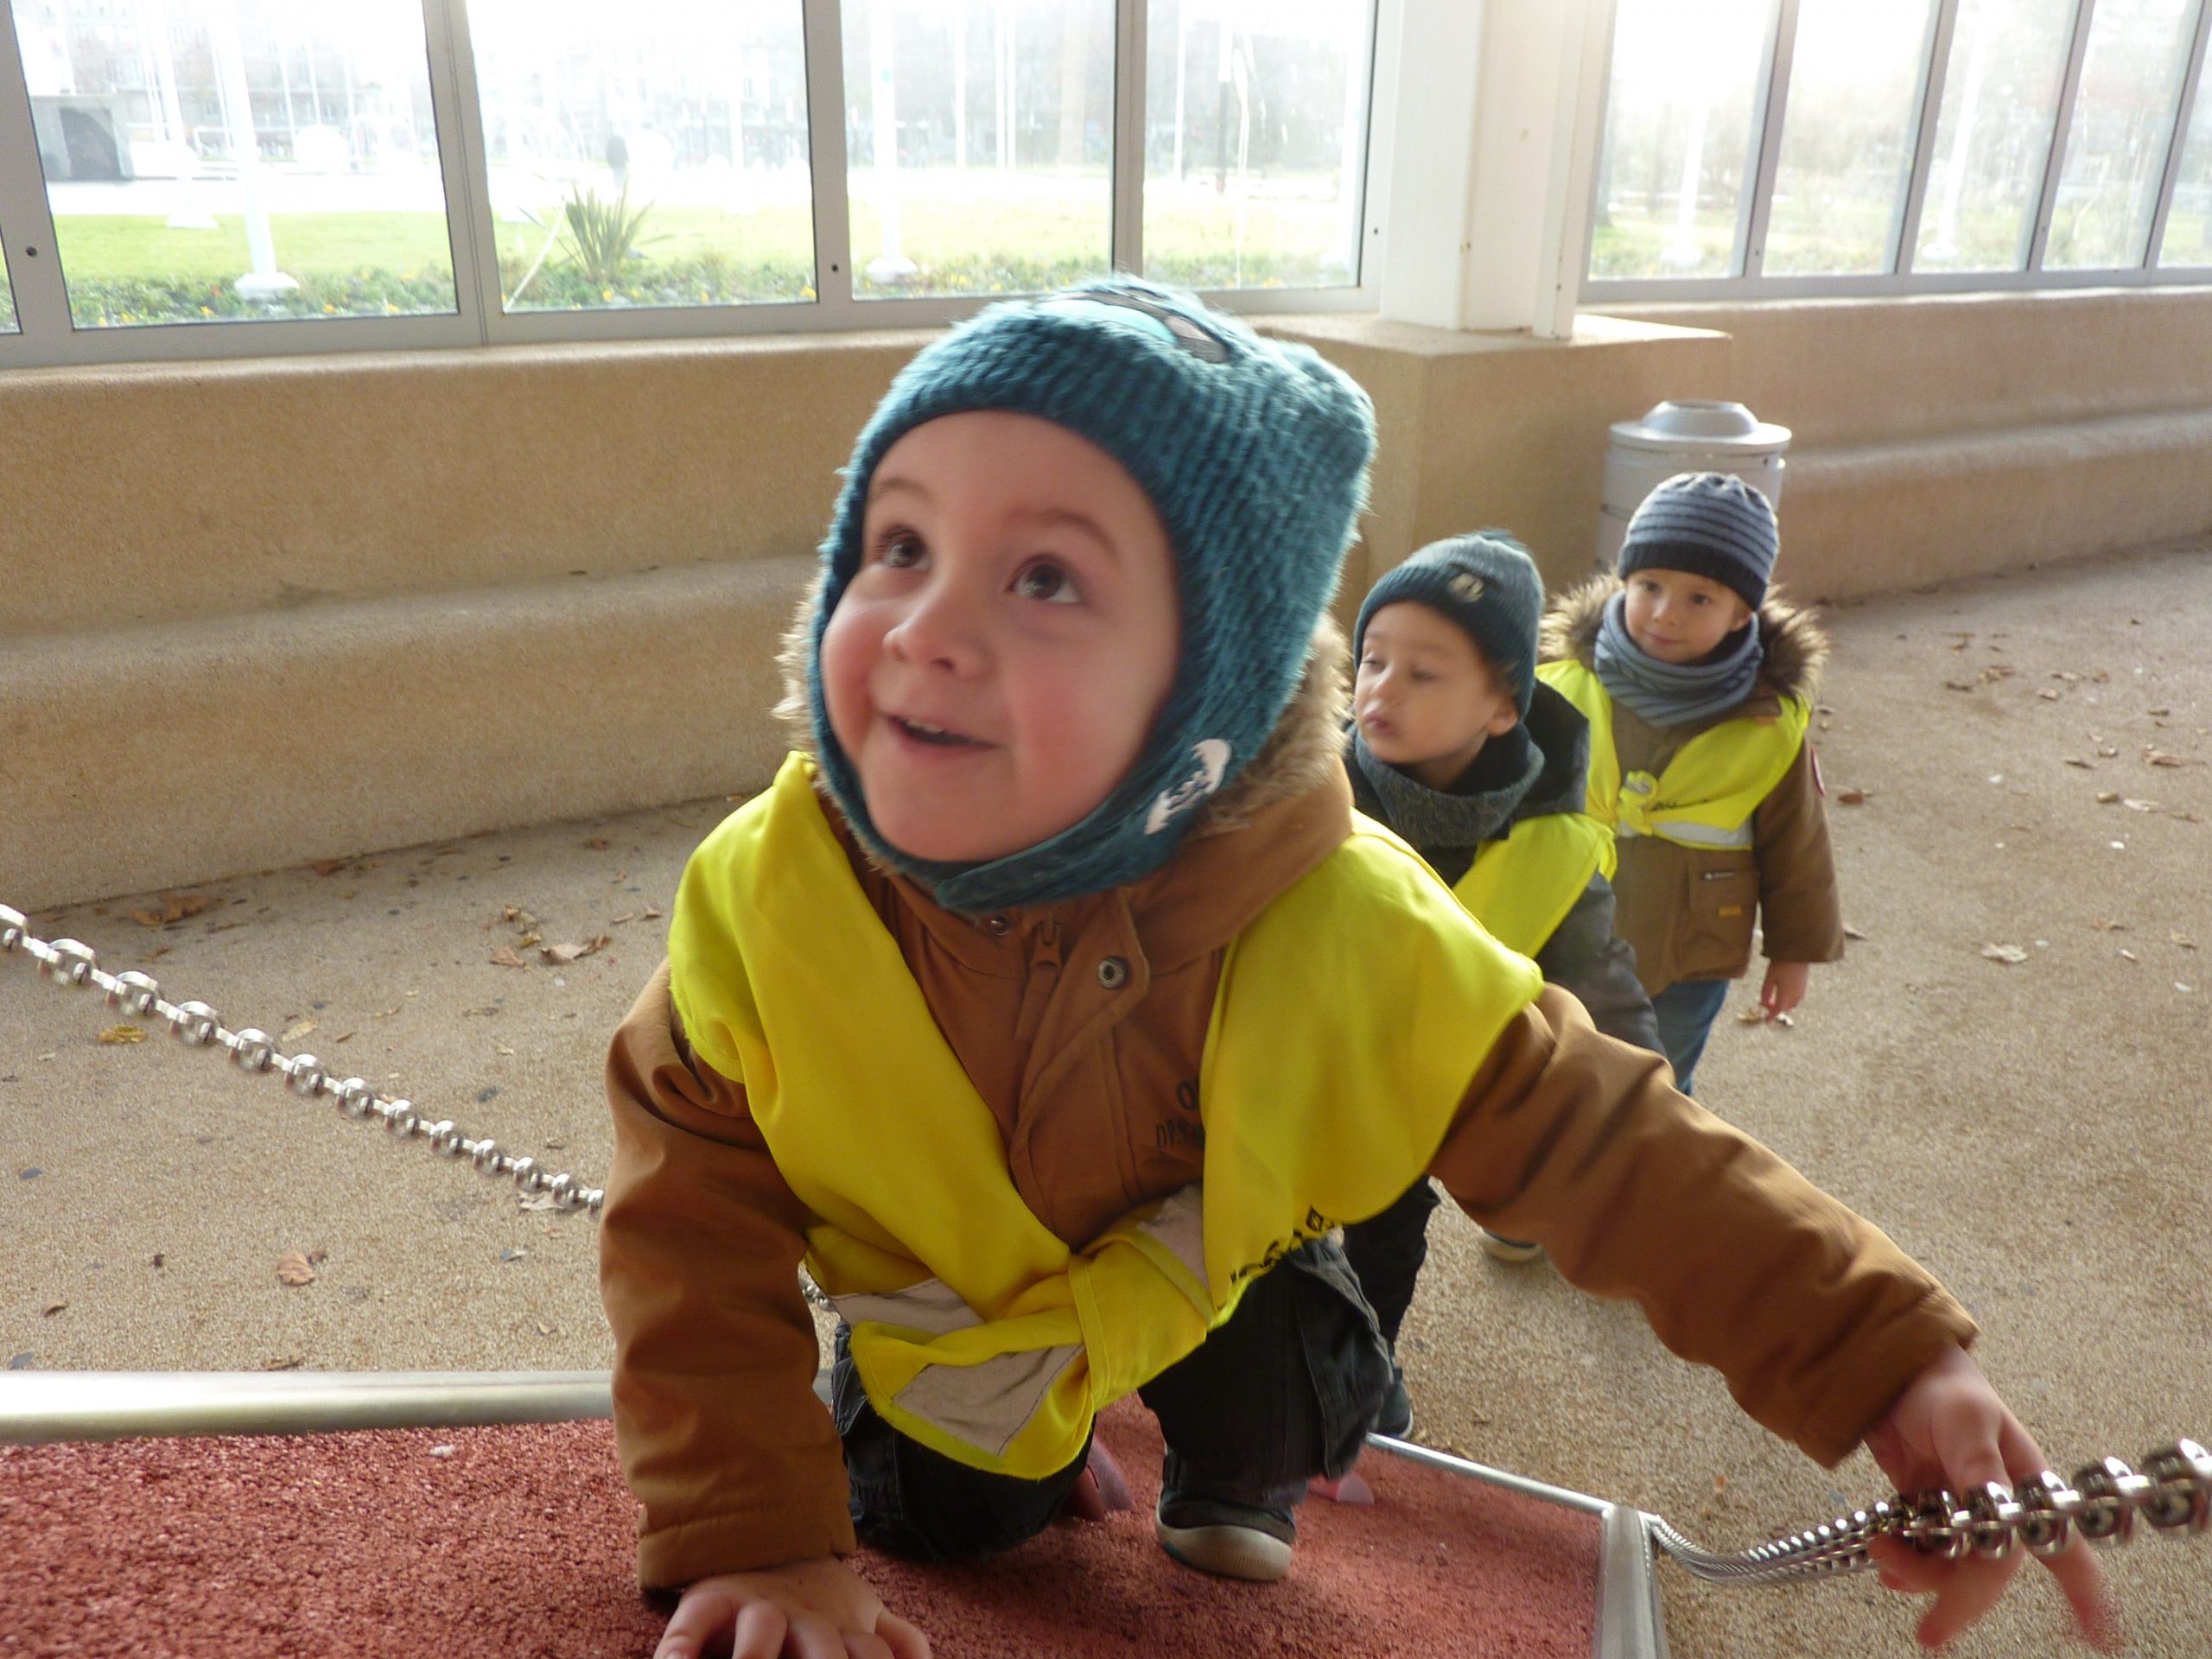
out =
column 1795, row 644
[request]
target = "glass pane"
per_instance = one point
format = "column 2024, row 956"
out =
column 2189, row 221
column 8, row 324
column 235, row 160
column 1679, row 144
column 1993, row 137
column 652, row 154
column 2116, row 147
column 1847, row 135
column 979, row 138
column 1256, row 140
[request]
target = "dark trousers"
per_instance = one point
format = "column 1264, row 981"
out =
column 1387, row 1252
column 1285, row 1390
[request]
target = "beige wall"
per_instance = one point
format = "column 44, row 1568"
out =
column 256, row 613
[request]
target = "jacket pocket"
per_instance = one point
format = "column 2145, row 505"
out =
column 1720, row 901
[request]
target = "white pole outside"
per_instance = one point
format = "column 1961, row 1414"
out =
column 265, row 281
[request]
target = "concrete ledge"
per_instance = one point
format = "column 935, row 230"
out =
column 1864, row 519
column 160, row 757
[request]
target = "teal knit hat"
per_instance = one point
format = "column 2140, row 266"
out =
column 1255, row 456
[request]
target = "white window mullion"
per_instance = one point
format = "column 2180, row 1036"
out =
column 1936, row 71
column 825, row 150
column 1130, row 70
column 26, row 221
column 1758, row 188
column 462, row 165
column 2184, row 110
column 2055, row 166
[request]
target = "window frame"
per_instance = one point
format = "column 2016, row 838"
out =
column 1751, row 283
column 47, row 337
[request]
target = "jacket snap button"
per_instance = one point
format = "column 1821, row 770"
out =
column 995, row 926
column 1113, row 973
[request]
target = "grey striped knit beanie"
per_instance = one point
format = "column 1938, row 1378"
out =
column 1709, row 525
column 1254, row 455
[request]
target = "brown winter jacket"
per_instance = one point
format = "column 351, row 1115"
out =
column 1565, row 1137
column 1689, row 913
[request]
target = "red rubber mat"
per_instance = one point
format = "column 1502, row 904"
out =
column 516, row 1542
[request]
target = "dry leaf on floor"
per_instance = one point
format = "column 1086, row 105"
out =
column 124, row 1034
column 2161, row 758
column 2155, row 713
column 2134, row 806
column 293, row 1269
column 543, row 1329
column 2182, row 940
column 518, row 915
column 329, row 866
column 2184, row 989
column 2103, row 926
column 2006, row 953
column 294, row 1033
column 1850, row 933
column 541, row 1201
column 626, row 916
column 596, row 843
column 51, row 1309
column 1852, row 797
column 503, row 1048
column 2107, row 751
column 1750, row 1017
column 533, row 937
column 2074, row 760
column 2129, row 956
column 2106, row 796
column 286, row 1362
column 1958, row 685
column 650, row 912
column 561, row 955
column 503, row 958
column 2048, row 694
column 174, row 907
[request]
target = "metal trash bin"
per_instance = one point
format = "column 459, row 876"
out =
column 1689, row 436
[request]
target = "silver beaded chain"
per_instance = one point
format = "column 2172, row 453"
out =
column 2173, row 1491
column 67, row 961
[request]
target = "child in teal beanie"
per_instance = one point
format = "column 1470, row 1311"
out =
column 1053, row 1008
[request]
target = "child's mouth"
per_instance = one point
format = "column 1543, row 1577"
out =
column 923, row 731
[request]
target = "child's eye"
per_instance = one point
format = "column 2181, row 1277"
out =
column 1700, row 598
column 1046, row 581
column 1420, row 675
column 900, row 549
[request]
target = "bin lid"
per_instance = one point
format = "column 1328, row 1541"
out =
column 1698, row 425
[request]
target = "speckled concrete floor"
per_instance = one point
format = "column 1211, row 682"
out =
column 2035, row 1132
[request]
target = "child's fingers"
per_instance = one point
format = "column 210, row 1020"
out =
column 1971, row 1589
column 2080, row 1578
column 760, row 1631
column 699, row 1618
column 865, row 1645
column 812, row 1636
column 905, row 1640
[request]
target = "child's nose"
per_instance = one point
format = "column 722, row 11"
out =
column 940, row 628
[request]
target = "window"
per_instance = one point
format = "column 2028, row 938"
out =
column 1255, row 140
column 1891, row 146
column 2116, row 146
column 2188, row 241
column 2001, row 106
column 397, row 172
column 651, row 156
column 1678, row 136
column 218, row 161
column 1846, row 146
column 8, row 325
column 979, row 145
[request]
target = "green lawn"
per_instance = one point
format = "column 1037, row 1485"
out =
column 124, row 269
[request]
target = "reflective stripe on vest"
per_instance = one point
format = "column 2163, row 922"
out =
column 1348, row 1019
column 1522, row 886
column 1706, row 795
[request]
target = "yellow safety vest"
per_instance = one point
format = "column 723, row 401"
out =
column 1348, row 1019
column 1522, row 886
column 1706, row 795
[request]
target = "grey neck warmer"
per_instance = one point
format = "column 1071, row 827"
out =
column 1674, row 694
column 1474, row 811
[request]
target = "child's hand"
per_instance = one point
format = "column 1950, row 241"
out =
column 810, row 1609
column 1949, row 1429
column 1785, row 987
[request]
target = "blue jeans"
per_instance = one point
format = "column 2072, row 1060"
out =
column 1686, row 1011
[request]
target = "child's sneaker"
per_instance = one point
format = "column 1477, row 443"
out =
column 1227, row 1539
column 1395, row 1420
column 1516, row 1250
